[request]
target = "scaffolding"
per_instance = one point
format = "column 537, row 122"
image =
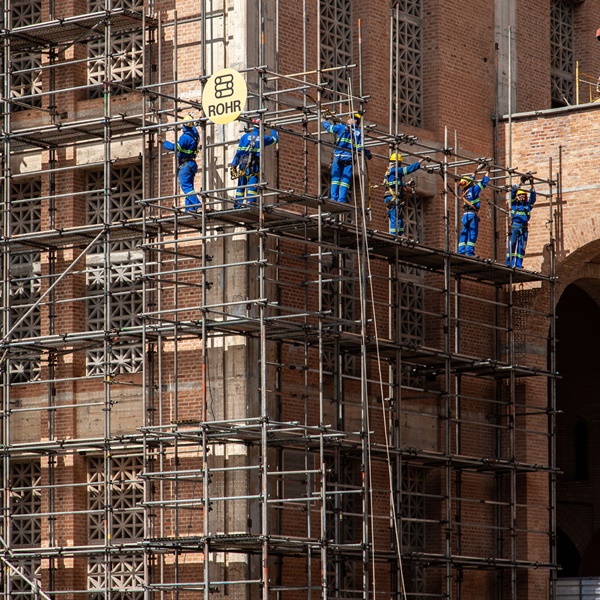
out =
column 276, row 400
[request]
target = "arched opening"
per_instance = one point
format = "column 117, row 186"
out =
column 568, row 555
column 578, row 426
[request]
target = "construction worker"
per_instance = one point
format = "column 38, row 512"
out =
column 470, row 189
column 396, row 191
column 245, row 166
column 348, row 140
column 187, row 147
column 521, row 203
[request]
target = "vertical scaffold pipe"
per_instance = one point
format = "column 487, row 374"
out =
column 6, row 295
column 204, row 334
column 511, row 408
column 552, row 379
column 264, row 459
column 323, row 507
column 445, row 194
column 107, row 269
column 447, row 378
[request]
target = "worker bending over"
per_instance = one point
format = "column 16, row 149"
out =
column 187, row 147
column 396, row 191
column 348, row 140
column 470, row 189
column 245, row 166
column 521, row 203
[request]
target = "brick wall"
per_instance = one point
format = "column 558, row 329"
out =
column 458, row 94
column 568, row 138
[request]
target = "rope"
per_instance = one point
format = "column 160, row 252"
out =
column 367, row 433
column 381, row 383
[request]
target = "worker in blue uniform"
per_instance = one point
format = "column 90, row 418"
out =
column 470, row 189
column 187, row 148
column 245, row 166
column 521, row 204
column 348, row 140
column 396, row 191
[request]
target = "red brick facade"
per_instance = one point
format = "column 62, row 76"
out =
column 319, row 409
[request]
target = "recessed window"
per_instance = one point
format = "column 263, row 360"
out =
column 125, row 493
column 116, row 286
column 126, row 54
column 26, row 72
column 562, row 56
column 336, row 44
column 406, row 83
column 25, row 282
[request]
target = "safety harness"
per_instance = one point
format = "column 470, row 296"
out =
column 520, row 210
column 248, row 159
column 395, row 189
column 468, row 206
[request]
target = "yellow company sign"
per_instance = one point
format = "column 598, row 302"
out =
column 224, row 96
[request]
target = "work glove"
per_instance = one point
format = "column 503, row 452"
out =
column 233, row 172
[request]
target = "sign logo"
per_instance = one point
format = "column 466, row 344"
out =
column 224, row 96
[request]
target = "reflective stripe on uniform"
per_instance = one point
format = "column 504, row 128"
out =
column 184, row 151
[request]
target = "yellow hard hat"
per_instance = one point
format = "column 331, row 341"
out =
column 396, row 157
column 521, row 192
column 466, row 181
column 188, row 120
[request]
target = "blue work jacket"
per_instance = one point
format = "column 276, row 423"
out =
column 187, row 144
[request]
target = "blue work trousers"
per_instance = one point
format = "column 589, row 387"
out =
column 341, row 176
column 187, row 173
column 517, row 243
column 250, row 192
column 396, row 218
column 468, row 234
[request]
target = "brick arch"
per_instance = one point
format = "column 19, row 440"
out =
column 576, row 267
column 589, row 282
column 581, row 241
column 575, row 527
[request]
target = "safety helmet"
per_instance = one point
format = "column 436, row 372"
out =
column 396, row 157
column 521, row 192
column 256, row 121
column 188, row 121
column 468, row 180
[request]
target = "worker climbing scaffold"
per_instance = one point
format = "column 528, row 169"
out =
column 521, row 204
column 187, row 148
column 396, row 191
column 245, row 166
column 470, row 190
column 348, row 140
